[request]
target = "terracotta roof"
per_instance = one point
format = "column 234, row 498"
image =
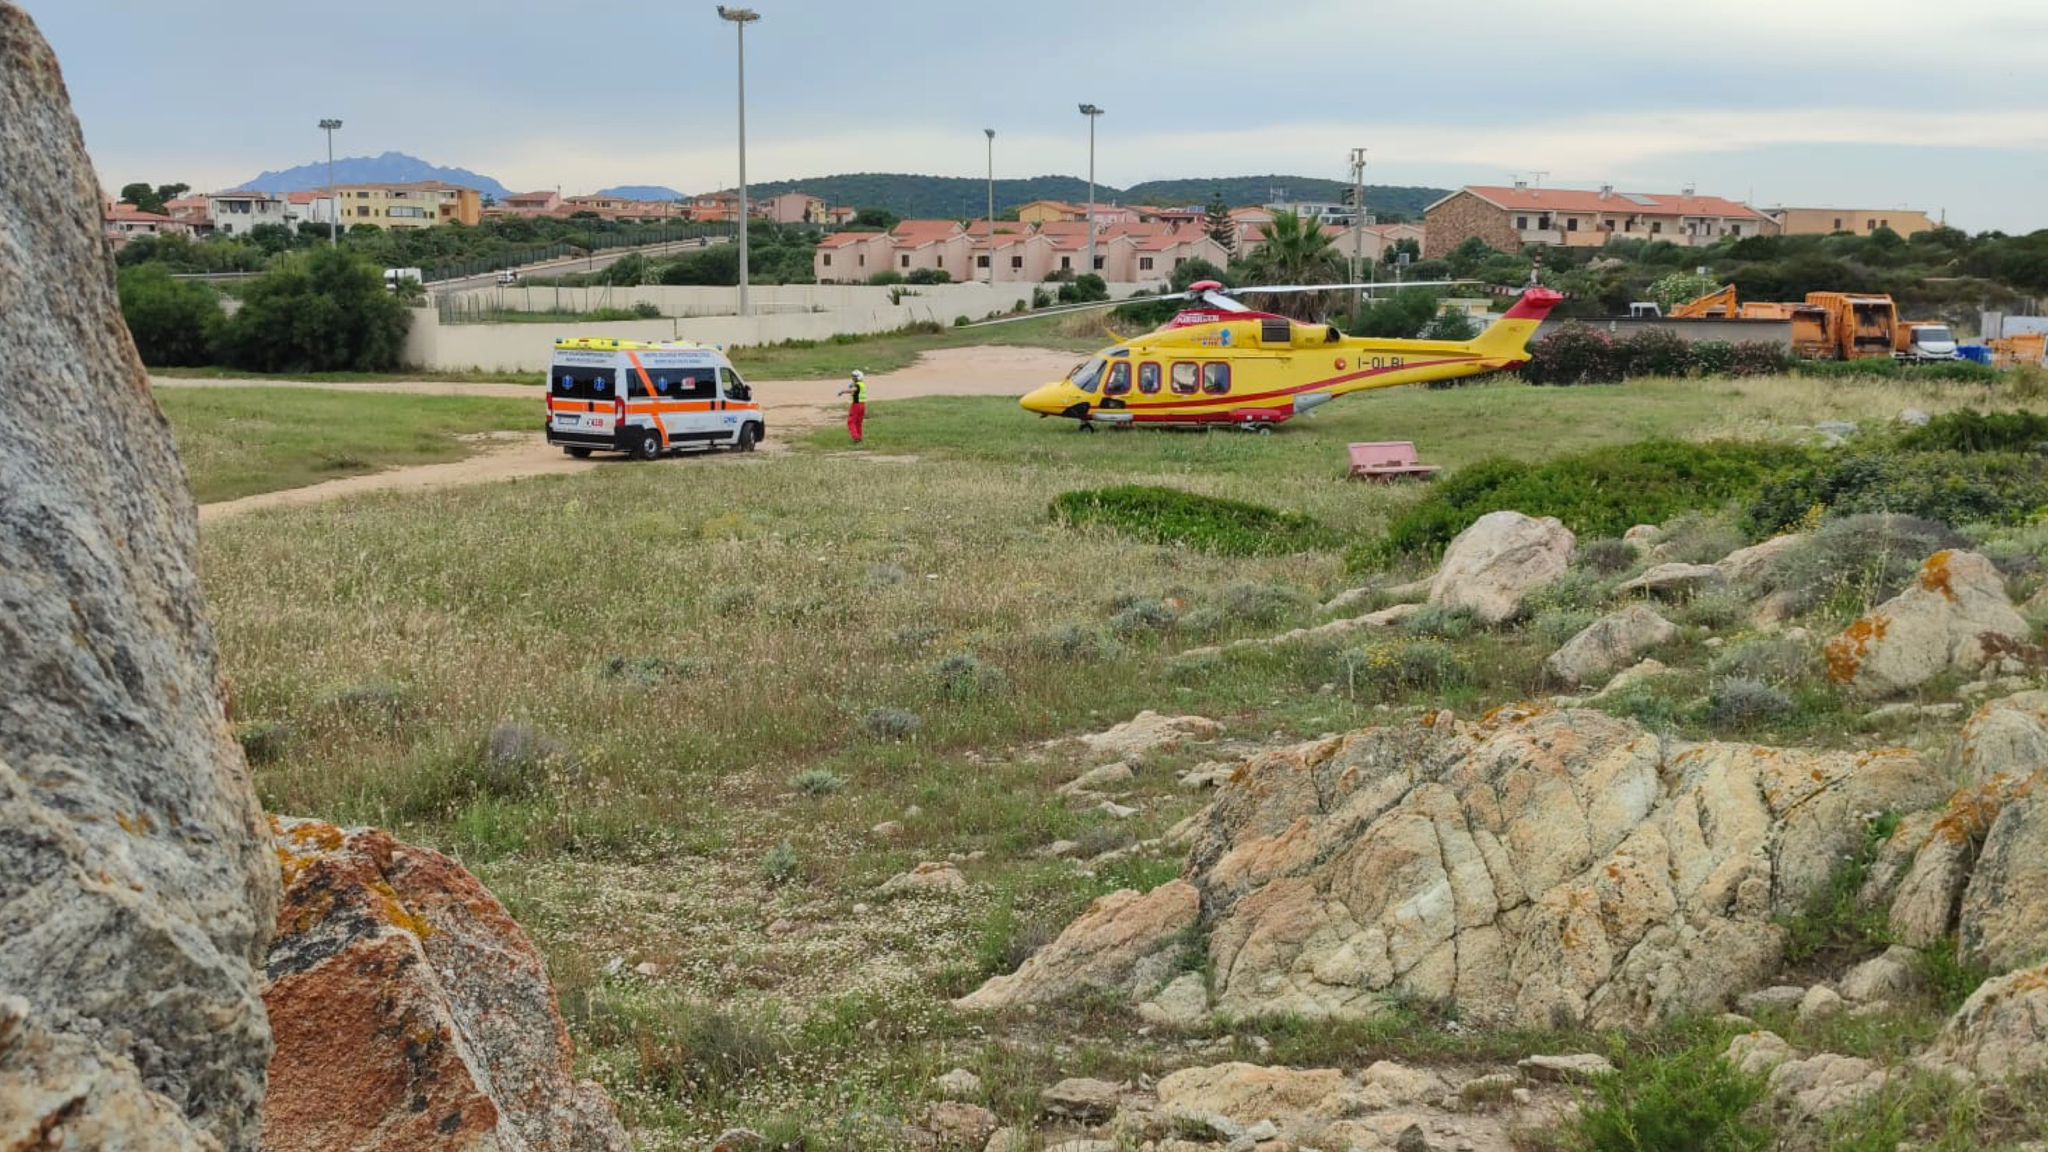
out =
column 1632, row 203
column 305, row 197
column 244, row 194
column 186, row 202
column 848, row 239
column 131, row 214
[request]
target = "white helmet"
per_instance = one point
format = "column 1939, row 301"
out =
column 859, row 375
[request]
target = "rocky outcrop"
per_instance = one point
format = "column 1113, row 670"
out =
column 1150, row 731
column 2007, row 737
column 1247, row 1093
column 2004, row 916
column 1758, row 562
column 1612, row 642
column 1536, row 868
column 1498, row 561
column 137, row 890
column 1954, row 617
column 2001, row 1031
column 411, row 1012
column 1126, row 942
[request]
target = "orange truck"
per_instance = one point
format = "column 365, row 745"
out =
column 1836, row 325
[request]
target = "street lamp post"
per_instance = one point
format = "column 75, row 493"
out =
column 1091, row 112
column 741, row 17
column 1358, row 222
column 991, row 133
column 333, row 201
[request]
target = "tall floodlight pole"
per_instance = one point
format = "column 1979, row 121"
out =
column 1358, row 221
column 991, row 133
column 741, row 17
column 1091, row 112
column 333, row 201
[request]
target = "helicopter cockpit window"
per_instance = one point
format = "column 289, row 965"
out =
column 1086, row 376
column 1186, row 378
column 1119, row 379
column 1216, row 379
column 1148, row 378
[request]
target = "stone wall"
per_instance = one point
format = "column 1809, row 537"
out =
column 1464, row 215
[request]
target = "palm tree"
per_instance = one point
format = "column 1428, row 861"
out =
column 1295, row 251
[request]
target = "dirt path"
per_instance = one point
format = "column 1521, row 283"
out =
column 790, row 405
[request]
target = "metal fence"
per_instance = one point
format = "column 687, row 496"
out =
column 594, row 242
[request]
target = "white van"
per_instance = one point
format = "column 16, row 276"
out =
column 646, row 399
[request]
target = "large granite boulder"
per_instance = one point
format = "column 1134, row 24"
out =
column 137, row 884
column 1496, row 563
column 411, row 1012
column 2003, row 922
column 1955, row 616
column 1126, row 943
column 1609, row 644
column 2007, row 737
column 2001, row 1031
column 1537, row 868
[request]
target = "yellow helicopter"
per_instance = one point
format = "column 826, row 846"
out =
column 1220, row 362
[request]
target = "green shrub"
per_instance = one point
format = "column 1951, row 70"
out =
column 1835, row 924
column 1607, row 556
column 1603, row 492
column 1073, row 641
column 321, row 311
column 1204, row 523
column 894, row 724
column 1397, row 665
column 781, row 864
column 1249, row 605
column 1139, row 616
column 1955, row 371
column 1713, row 358
column 1698, row 538
column 1952, row 487
column 1441, row 622
column 1654, row 352
column 1687, row 1101
column 1757, row 358
column 174, row 322
column 1973, row 431
column 818, row 782
column 1763, row 659
column 1741, row 705
column 1857, row 561
column 1574, row 354
column 963, row 676
column 928, row 276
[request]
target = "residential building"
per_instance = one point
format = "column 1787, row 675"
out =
column 1317, row 211
column 543, row 203
column 851, row 257
column 424, row 204
column 1373, row 239
column 1019, row 257
column 795, row 208
column 840, row 217
column 309, row 208
column 192, row 211
column 1052, row 212
column 619, row 208
column 1863, row 221
column 239, row 213
column 1512, row 218
column 715, row 208
column 940, row 245
column 124, row 222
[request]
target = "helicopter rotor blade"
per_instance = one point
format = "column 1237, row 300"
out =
column 1277, row 289
column 1071, row 309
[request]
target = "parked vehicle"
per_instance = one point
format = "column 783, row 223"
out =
column 1835, row 325
column 1923, row 343
column 508, row 277
column 648, row 399
column 393, row 277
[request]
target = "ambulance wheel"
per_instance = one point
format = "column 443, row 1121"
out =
column 579, row 453
column 649, row 447
column 745, row 442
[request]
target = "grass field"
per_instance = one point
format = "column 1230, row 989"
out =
column 470, row 377
column 241, row 441
column 724, row 674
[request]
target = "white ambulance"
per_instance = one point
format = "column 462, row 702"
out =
column 646, row 399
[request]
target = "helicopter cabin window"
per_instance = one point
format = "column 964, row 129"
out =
column 1148, row 378
column 1215, row 378
column 1187, row 378
column 1119, row 379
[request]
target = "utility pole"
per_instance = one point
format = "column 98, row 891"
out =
column 991, row 133
column 333, row 200
column 1091, row 112
column 1358, row 224
column 741, row 17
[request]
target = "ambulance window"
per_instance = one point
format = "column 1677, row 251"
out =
column 1148, row 378
column 636, row 386
column 698, row 384
column 1216, row 379
column 663, row 386
column 1186, row 377
column 1119, row 379
column 582, row 383
column 601, row 381
column 735, row 388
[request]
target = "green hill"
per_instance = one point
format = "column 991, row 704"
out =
column 955, row 196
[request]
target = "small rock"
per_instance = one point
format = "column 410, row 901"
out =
column 1642, row 535
column 1391, row 1085
column 1183, row 1003
column 1099, row 779
column 1411, row 1139
column 1582, row 1068
column 1008, row 1140
column 1261, row 1132
column 1914, row 418
column 1348, row 600
column 1208, row 774
column 1819, row 1003
column 1116, row 810
column 1522, row 1097
column 739, row 1140
column 1488, row 1089
column 929, row 877
column 1080, row 1098
column 1825, row 1083
column 647, row 968
column 1756, row 1053
column 860, row 909
column 959, row 1125
column 958, row 1084
column 1060, row 849
column 1778, row 998
column 1674, row 579
column 1392, row 617
column 1888, row 976
column 887, row 829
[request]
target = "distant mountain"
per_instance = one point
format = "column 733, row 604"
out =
column 643, row 192
column 390, row 168
column 956, row 196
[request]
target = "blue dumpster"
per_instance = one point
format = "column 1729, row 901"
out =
column 1975, row 353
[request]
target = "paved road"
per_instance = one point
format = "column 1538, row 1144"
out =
column 592, row 263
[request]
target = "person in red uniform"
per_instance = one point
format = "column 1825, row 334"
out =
column 856, row 412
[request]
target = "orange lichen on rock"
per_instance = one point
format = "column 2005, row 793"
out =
column 1847, row 652
column 1935, row 575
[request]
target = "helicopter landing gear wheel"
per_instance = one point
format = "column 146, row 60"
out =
column 1087, row 426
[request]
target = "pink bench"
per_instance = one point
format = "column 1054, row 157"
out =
column 1389, row 461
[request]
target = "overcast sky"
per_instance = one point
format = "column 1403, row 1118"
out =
column 1855, row 103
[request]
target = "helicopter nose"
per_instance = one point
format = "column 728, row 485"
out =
column 1043, row 400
